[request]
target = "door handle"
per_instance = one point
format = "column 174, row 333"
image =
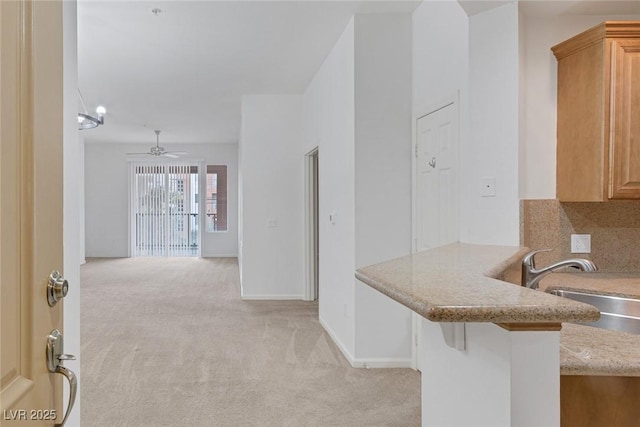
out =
column 57, row 288
column 432, row 162
column 55, row 358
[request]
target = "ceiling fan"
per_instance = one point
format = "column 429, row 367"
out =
column 159, row 151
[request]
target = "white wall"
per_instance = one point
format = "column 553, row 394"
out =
column 222, row 243
column 329, row 124
column 357, row 111
column 440, row 56
column 272, row 197
column 240, row 204
column 539, row 105
column 81, row 219
column 382, row 180
column 441, row 65
column 107, row 198
column 490, row 148
column 508, row 128
column 508, row 112
column 106, row 201
column 72, row 176
column 476, row 59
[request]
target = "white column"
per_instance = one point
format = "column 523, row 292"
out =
column 501, row 378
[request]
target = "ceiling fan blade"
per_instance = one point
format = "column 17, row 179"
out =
column 173, row 156
column 180, row 153
column 137, row 154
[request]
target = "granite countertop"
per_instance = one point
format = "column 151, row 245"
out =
column 619, row 284
column 585, row 350
column 458, row 283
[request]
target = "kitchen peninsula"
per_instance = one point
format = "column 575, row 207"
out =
column 490, row 353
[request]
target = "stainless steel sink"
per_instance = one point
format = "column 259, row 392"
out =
column 617, row 313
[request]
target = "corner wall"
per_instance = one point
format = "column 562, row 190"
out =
column 357, row 111
column 440, row 74
column 475, row 58
column 329, row 124
column 440, row 56
column 490, row 148
column 272, row 219
column 382, row 180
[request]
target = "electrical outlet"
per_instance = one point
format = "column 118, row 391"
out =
column 488, row 186
column 581, row 243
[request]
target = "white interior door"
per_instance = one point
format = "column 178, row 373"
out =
column 436, row 187
column 437, row 178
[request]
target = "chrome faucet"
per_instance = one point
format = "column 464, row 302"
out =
column 531, row 276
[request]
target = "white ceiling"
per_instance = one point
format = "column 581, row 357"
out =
column 184, row 70
column 546, row 8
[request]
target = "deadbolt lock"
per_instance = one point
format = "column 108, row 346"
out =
column 57, row 288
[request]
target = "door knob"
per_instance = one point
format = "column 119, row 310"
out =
column 55, row 358
column 57, row 288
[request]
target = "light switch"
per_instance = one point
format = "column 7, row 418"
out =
column 272, row 223
column 332, row 217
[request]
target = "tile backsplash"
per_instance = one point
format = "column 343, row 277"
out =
column 614, row 228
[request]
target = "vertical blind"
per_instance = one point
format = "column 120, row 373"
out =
column 164, row 209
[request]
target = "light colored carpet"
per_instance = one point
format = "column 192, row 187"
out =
column 169, row 342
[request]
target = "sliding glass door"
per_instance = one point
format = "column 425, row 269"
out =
column 164, row 209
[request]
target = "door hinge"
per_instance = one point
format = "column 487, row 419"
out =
column 416, row 150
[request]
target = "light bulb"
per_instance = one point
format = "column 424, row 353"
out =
column 101, row 110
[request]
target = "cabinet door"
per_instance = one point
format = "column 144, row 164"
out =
column 625, row 120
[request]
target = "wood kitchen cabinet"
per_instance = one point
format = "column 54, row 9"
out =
column 599, row 401
column 598, row 128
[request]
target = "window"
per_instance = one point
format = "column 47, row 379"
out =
column 216, row 200
column 164, row 214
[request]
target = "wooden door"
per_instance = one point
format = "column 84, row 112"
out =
column 31, row 208
column 625, row 121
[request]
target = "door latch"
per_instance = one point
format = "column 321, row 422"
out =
column 55, row 358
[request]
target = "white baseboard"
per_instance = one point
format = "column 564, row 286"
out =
column 365, row 362
column 270, row 297
column 382, row 363
column 337, row 342
column 219, row 255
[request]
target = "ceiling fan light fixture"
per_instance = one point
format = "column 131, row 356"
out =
column 159, row 151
